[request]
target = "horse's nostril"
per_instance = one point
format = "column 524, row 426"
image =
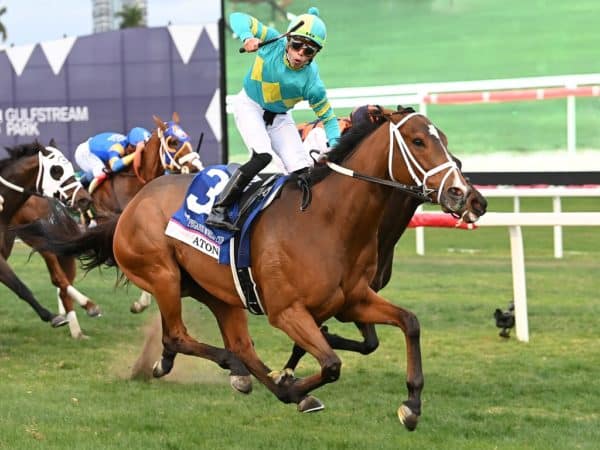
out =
column 455, row 192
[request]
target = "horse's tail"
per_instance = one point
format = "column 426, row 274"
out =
column 93, row 247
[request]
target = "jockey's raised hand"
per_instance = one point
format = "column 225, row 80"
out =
column 251, row 44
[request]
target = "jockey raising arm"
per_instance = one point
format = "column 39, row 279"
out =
column 283, row 73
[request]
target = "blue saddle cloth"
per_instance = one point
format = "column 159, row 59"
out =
column 188, row 223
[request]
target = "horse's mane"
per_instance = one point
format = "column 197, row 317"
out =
column 20, row 151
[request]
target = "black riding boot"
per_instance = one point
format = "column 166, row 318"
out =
column 233, row 191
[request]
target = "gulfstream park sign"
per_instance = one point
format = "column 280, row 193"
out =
column 74, row 88
column 24, row 121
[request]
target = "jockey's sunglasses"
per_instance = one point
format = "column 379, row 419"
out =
column 309, row 50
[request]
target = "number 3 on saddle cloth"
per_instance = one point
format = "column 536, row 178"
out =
column 187, row 224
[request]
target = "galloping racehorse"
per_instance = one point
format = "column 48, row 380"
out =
column 397, row 214
column 167, row 151
column 163, row 153
column 299, row 288
column 35, row 170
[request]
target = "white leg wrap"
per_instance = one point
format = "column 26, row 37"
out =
column 61, row 307
column 77, row 296
column 145, row 299
column 74, row 327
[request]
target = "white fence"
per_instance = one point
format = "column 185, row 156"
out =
column 422, row 94
column 514, row 222
column 554, row 192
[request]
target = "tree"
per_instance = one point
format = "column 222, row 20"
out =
column 2, row 27
column 131, row 16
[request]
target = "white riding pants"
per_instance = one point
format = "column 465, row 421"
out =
column 280, row 139
column 316, row 140
column 87, row 161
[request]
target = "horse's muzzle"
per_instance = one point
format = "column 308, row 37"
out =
column 453, row 200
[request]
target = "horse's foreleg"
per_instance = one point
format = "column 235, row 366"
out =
column 10, row 279
column 374, row 309
column 232, row 322
column 299, row 325
column 367, row 346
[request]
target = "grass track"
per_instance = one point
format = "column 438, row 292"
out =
column 481, row 392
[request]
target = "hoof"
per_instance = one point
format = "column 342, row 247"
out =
column 281, row 377
column 58, row 321
column 137, row 307
column 310, row 404
column 80, row 336
column 241, row 383
column 157, row 370
column 94, row 311
column 407, row 418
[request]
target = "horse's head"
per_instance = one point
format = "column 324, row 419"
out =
column 56, row 178
column 418, row 155
column 176, row 152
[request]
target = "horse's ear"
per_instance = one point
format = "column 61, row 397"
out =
column 175, row 117
column 159, row 122
column 52, row 143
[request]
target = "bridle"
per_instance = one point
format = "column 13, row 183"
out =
column 416, row 171
column 177, row 162
column 55, row 176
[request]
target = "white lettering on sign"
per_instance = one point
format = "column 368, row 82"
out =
column 24, row 121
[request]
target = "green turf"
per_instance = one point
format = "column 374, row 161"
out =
column 481, row 391
column 382, row 42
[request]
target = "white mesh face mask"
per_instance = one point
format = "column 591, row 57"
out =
column 56, row 176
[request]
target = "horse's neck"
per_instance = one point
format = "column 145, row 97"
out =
column 23, row 174
column 367, row 199
column 151, row 166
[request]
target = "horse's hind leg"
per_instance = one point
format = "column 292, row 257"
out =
column 67, row 265
column 376, row 310
column 10, row 279
column 141, row 303
column 175, row 336
column 62, row 281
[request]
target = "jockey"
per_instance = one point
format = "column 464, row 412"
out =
column 283, row 74
column 108, row 152
column 313, row 134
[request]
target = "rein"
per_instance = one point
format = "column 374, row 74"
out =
column 413, row 191
column 420, row 191
column 19, row 189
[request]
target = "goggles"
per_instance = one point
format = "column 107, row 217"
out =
column 309, row 50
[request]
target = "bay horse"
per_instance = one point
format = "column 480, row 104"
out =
column 398, row 212
column 35, row 171
column 308, row 265
column 163, row 153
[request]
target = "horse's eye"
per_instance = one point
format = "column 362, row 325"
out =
column 419, row 142
column 56, row 172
